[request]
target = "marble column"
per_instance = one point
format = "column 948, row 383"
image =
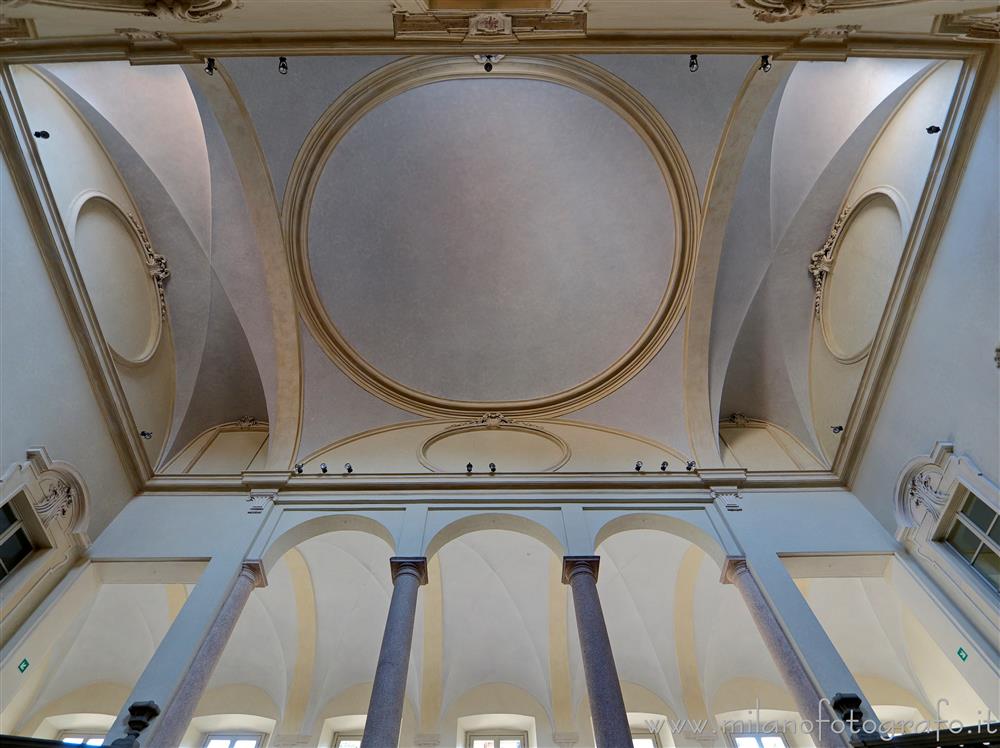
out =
column 385, row 710
column 793, row 672
column 173, row 723
column 604, row 692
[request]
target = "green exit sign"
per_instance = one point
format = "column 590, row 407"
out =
column 962, row 654
column 22, row 665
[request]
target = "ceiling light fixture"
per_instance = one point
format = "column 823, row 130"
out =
column 689, row 466
column 493, row 467
column 638, row 465
column 765, row 63
column 43, row 134
column 468, row 467
column 283, row 65
column 663, row 466
column 488, row 61
column 322, row 467
column 298, row 468
column 146, row 434
column 693, row 63
column 348, row 467
column 933, row 130
column 210, row 66
column 836, row 429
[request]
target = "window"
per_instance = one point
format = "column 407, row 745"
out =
column 975, row 536
column 497, row 740
column 80, row 738
column 15, row 545
column 759, row 741
column 234, row 740
column 346, row 741
column 645, row 740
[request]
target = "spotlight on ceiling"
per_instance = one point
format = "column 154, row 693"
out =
column 322, row 468
column 765, row 63
column 663, row 466
column 299, row 468
column 689, row 466
column 146, row 434
column 210, row 66
column 468, row 467
column 638, row 465
column 836, row 429
column 488, row 61
column 41, row 134
column 933, row 130
column 348, row 467
column 693, row 63
column 283, row 65
column 493, row 467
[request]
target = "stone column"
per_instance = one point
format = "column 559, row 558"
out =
column 176, row 717
column 385, row 710
column 607, row 707
column 793, row 672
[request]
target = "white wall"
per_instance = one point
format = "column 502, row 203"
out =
column 945, row 385
column 45, row 395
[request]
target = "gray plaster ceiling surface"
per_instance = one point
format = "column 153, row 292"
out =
column 491, row 240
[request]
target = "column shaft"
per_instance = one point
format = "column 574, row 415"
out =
column 385, row 710
column 604, row 691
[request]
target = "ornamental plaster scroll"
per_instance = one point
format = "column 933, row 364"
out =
column 777, row 11
column 156, row 264
column 191, row 11
column 821, row 262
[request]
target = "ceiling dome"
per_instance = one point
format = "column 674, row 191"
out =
column 496, row 243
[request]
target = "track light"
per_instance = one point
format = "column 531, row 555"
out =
column 836, row 429
column 468, row 467
column 298, row 468
column 322, row 468
column 663, row 466
column 41, row 134
column 693, row 63
column 283, row 65
column 348, row 467
column 933, row 130
column 493, row 467
column 210, row 66
column 146, row 434
column 638, row 465
column 689, row 466
column 765, row 63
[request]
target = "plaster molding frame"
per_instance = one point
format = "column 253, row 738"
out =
column 493, row 422
column 930, row 217
column 823, row 261
column 156, row 267
column 779, row 11
column 43, row 216
column 580, row 75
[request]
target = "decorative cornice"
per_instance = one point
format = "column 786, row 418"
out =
column 156, row 264
column 729, row 498
column 192, row 11
column 253, row 569
column 574, row 565
column 508, row 27
column 413, row 565
column 733, row 567
column 972, row 26
column 777, row 11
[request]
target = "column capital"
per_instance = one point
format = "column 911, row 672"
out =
column 254, row 571
column 733, row 567
column 573, row 565
column 413, row 565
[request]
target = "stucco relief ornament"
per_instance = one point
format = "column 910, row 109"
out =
column 247, row 422
column 56, row 502
column 494, row 421
column 156, row 264
column 192, row 11
column 821, row 261
column 773, row 11
column 490, row 24
column 921, row 492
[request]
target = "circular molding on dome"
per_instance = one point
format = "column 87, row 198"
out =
column 405, row 75
column 134, row 333
column 854, row 271
column 498, row 425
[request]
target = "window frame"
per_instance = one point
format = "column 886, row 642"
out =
column 952, row 517
column 16, row 503
column 757, row 736
column 232, row 737
column 83, row 734
column 496, row 735
column 340, row 736
column 646, row 735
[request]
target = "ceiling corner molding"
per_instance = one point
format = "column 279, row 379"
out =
column 191, row 11
column 492, row 26
column 778, row 11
